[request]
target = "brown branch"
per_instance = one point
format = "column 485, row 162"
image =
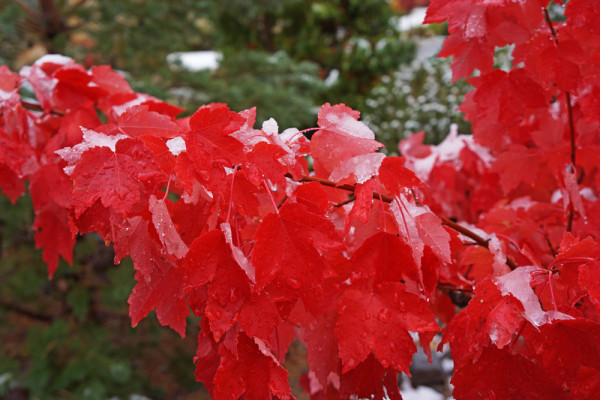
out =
column 549, row 22
column 572, row 133
column 24, row 311
column 571, row 129
column 388, row 199
column 35, row 106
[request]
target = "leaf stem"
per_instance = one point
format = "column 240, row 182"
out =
column 271, row 195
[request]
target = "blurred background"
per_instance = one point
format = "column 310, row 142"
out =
column 70, row 338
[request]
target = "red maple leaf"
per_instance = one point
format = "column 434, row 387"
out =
column 340, row 138
column 288, row 246
column 140, row 121
column 161, row 291
column 113, row 176
column 514, row 376
column 253, row 372
column 379, row 322
column 53, row 234
column 209, row 139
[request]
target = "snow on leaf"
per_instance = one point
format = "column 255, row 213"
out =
column 340, row 138
column 499, row 266
column 363, row 167
column 176, row 145
column 516, row 283
column 90, row 140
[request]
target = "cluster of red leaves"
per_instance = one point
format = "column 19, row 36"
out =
column 227, row 221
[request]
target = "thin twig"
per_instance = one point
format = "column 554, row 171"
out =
column 24, row 311
column 572, row 133
column 387, row 199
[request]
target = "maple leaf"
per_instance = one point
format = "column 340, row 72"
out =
column 206, row 253
column 340, row 138
column 110, row 80
column 321, row 348
column 503, row 102
column 113, row 176
column 163, row 292
column 139, row 121
column 517, row 164
column 259, row 317
column 361, row 207
column 589, row 280
column 134, row 239
column 384, row 258
column 378, row 322
column 477, row 27
column 513, row 376
column 53, row 234
column 565, row 346
column 167, row 233
column 287, row 246
column 489, row 318
column 253, row 372
column 395, row 176
column 207, row 359
column 370, row 380
column 209, row 139
column 263, row 163
column 8, row 80
column 12, row 159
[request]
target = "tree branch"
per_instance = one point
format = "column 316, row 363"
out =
column 572, row 133
column 388, row 199
column 24, row 311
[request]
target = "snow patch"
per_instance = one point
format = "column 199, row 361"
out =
column 516, row 283
column 176, row 145
column 54, row 59
column 363, row 166
column 270, row 127
column 412, row 20
column 90, row 140
column 196, row 60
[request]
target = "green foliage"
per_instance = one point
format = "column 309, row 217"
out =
column 136, row 36
column 420, row 96
column 358, row 38
column 11, row 43
column 70, row 337
column 274, row 84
